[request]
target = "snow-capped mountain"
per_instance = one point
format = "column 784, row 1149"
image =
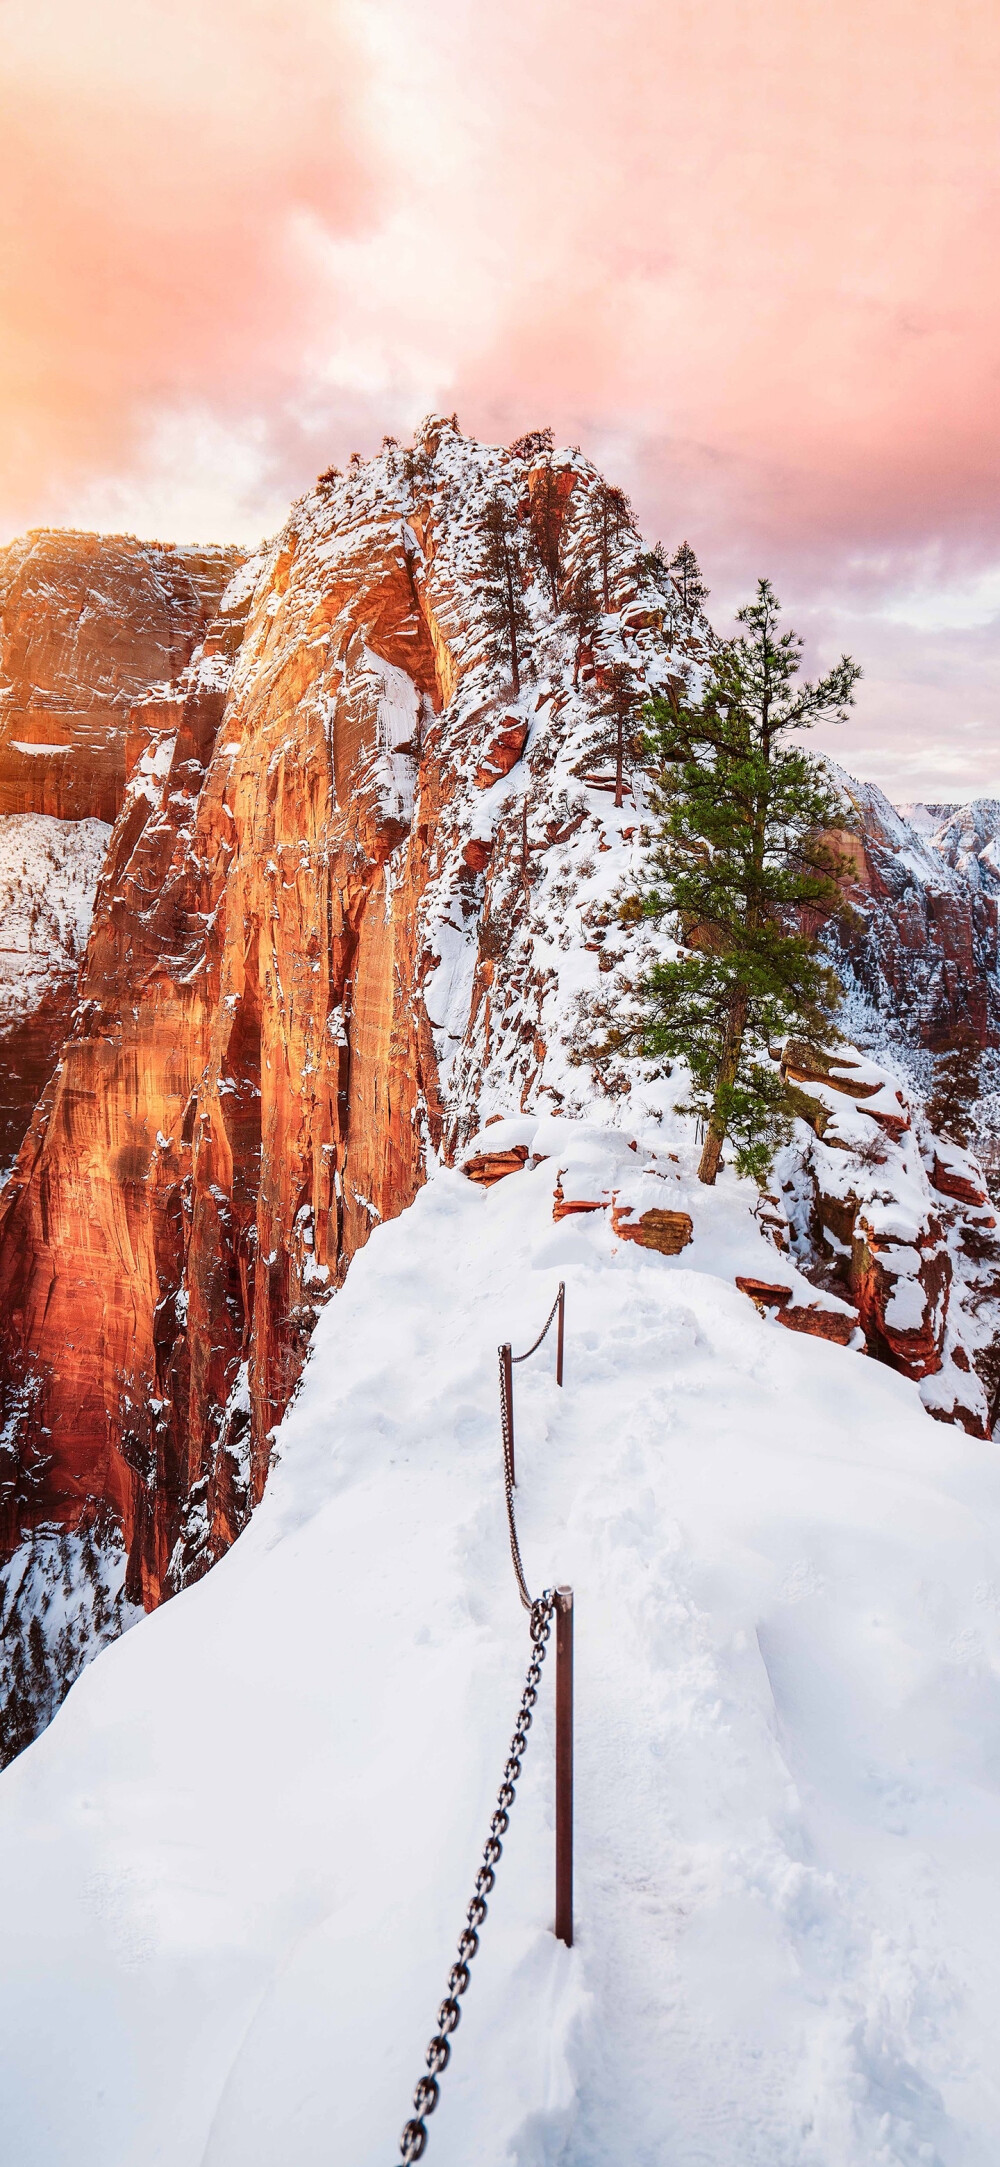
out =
column 318, row 1125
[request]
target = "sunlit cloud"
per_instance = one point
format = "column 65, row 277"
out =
column 753, row 274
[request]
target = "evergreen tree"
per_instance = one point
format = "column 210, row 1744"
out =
column 956, row 1088
column 741, row 859
column 615, row 717
column 532, row 446
column 582, row 610
column 546, row 527
column 502, row 598
column 685, row 572
column 609, row 517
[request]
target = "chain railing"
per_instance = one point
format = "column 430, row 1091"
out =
column 508, row 1364
column 555, row 1603
column 413, row 2141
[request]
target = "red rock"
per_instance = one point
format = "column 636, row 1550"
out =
column 566, row 1207
column 667, row 1231
column 819, row 1323
column 950, row 1183
column 478, row 852
column 487, row 1167
column 92, row 629
column 800, row 1317
column 502, row 753
column 763, row 1293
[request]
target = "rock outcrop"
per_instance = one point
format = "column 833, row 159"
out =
column 317, row 955
column 353, row 895
column 921, row 941
column 898, row 1223
column 96, row 633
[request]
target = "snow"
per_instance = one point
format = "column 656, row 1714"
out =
column 20, row 744
column 48, row 879
column 399, row 714
column 233, row 1871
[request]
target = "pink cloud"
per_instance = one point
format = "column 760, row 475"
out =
column 746, row 256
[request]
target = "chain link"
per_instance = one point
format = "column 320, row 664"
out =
column 413, row 2142
column 506, row 1426
column 533, row 1349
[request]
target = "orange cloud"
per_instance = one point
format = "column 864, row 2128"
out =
column 745, row 254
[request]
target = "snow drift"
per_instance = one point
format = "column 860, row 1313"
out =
column 234, row 1868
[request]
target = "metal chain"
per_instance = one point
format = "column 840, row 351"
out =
column 508, row 1484
column 413, row 2141
column 534, row 1349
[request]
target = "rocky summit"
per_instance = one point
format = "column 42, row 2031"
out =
column 306, row 887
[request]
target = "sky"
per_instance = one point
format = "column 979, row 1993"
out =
column 744, row 255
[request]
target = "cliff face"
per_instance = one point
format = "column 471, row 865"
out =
column 923, row 946
column 353, row 892
column 96, row 632
column 96, row 639
column 311, row 961
column 48, row 879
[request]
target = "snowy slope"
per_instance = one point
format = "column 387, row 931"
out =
column 233, row 1871
column 48, row 879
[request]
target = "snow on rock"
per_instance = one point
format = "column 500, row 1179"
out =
column 48, row 879
column 921, row 948
column 233, row 1871
column 350, row 904
column 49, row 871
column 62, row 1599
column 896, row 1220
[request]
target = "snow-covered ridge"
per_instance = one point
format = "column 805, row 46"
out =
column 788, row 1824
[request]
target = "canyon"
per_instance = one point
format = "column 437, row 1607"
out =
column 342, row 897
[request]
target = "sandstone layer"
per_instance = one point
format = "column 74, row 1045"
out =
column 350, row 902
column 314, row 955
column 96, row 633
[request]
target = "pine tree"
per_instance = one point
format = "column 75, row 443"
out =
column 615, row 717
column 546, row 527
column 609, row 517
column 501, row 596
column 956, row 1089
column 741, row 857
column 581, row 608
column 534, row 445
column 685, row 572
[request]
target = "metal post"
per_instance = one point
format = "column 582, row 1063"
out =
column 561, row 1330
column 507, row 1406
column 564, row 1766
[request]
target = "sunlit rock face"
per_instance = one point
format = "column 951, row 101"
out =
column 96, row 633
column 353, row 889
column 317, row 953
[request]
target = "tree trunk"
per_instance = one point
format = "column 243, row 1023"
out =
column 619, row 762
column 512, row 625
column 711, row 1156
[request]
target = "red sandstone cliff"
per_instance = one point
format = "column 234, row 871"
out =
column 311, row 956
column 349, row 899
column 96, row 633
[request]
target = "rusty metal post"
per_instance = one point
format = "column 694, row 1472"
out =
column 561, row 1330
column 507, row 1408
column 564, row 1766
